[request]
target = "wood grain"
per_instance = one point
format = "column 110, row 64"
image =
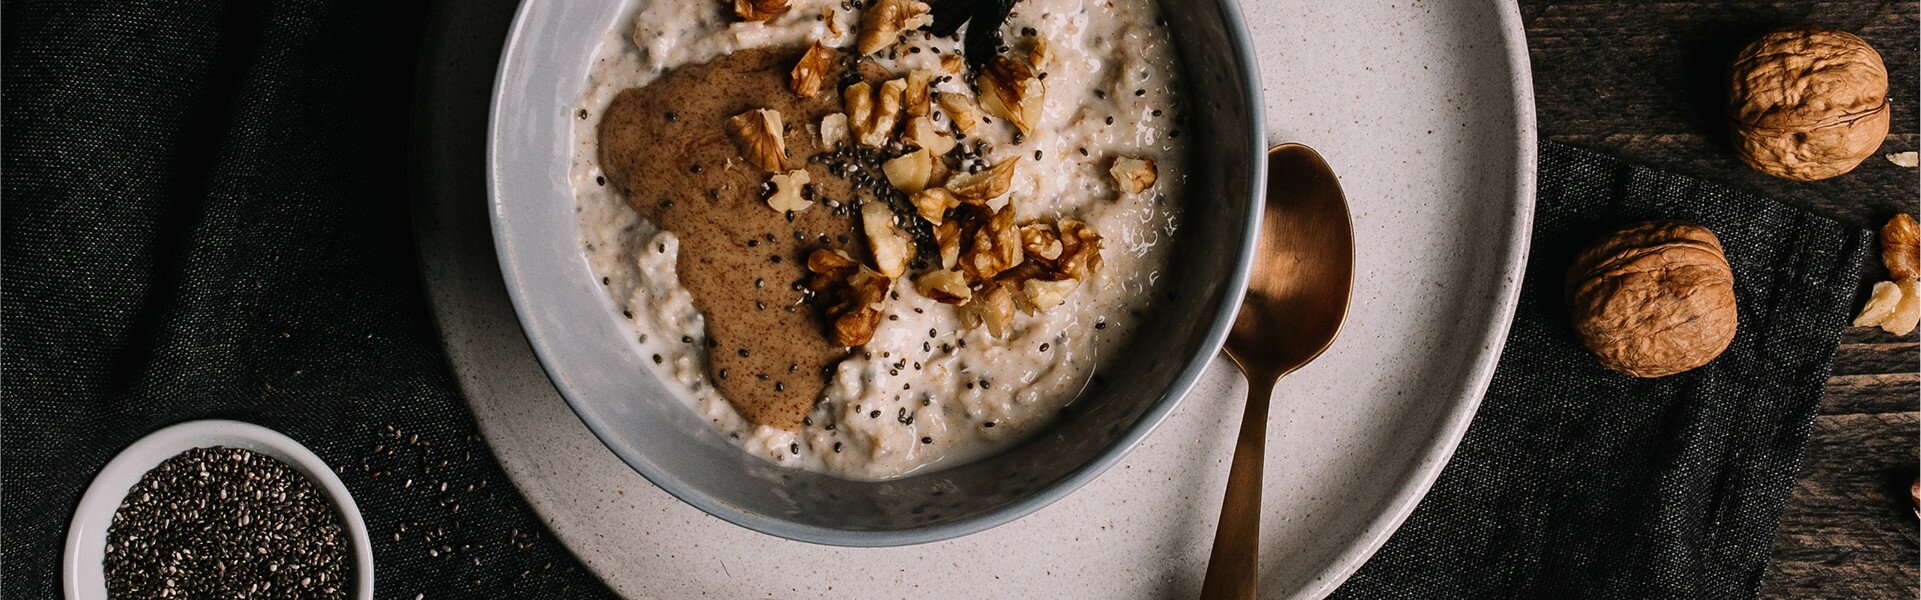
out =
column 1646, row 81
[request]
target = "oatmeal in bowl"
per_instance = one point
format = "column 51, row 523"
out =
column 930, row 265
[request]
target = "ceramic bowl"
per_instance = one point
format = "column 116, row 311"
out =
column 602, row 374
column 85, row 573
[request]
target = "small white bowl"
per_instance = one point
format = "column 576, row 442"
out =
column 84, row 562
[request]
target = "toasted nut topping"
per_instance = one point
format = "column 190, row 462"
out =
column 888, row 244
column 922, row 133
column 910, row 172
column 858, row 102
column 988, row 184
column 1080, row 250
column 812, row 68
column 948, row 235
column 758, row 133
column 961, row 111
column 1040, row 54
column 787, row 191
column 1044, row 294
column 996, row 309
column 1132, row 175
column 833, row 23
column 917, row 102
column 996, row 247
column 833, row 130
column 1041, row 241
column 1894, row 306
column 873, row 115
column 857, row 293
column 760, row 10
column 944, row 286
column 1901, row 247
column 951, row 64
column 883, row 23
column 829, row 267
column 932, row 203
column 1010, row 90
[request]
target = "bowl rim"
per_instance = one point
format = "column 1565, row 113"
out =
column 87, row 532
column 1240, row 45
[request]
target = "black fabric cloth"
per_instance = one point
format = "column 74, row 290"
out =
column 206, row 216
column 1578, row 482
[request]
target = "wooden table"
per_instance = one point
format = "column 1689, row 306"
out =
column 1645, row 81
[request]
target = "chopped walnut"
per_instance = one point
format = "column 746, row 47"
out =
column 760, row 10
column 1045, row 294
column 882, row 23
column 916, row 101
column 787, row 194
column 858, row 102
column 1133, row 175
column 812, row 68
column 833, row 130
column 996, row 246
column 988, row 184
column 873, row 114
column 922, row 133
column 948, row 236
column 1009, row 89
column 856, row 292
column 961, row 111
column 758, row 133
column 932, row 203
column 1040, row 54
column 1894, row 306
column 995, row 308
column 909, row 172
column 944, row 286
column 889, row 245
column 1080, row 250
column 1042, row 241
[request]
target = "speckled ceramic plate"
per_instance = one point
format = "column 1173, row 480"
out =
column 1424, row 109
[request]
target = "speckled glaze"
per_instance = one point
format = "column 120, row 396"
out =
column 1425, row 110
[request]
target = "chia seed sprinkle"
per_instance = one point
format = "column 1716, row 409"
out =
column 226, row 523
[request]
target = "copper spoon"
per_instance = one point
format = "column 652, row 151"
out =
column 1295, row 303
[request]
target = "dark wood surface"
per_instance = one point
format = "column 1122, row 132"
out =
column 1646, row 81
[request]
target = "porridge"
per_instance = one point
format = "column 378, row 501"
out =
column 867, row 239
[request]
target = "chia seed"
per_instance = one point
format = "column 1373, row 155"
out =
column 223, row 522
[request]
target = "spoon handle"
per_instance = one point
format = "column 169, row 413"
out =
column 1233, row 567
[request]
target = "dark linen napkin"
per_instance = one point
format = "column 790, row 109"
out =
column 206, row 216
column 1577, row 482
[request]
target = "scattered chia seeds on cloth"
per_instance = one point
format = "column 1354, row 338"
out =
column 226, row 523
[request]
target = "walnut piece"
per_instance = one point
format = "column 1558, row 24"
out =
column 760, row 10
column 833, row 130
column 882, row 23
column 961, row 111
column 1009, row 89
column 944, row 286
column 1080, row 250
column 932, row 203
column 922, row 133
column 889, row 245
column 872, row 114
column 917, row 102
column 910, row 172
column 948, row 236
column 1042, row 241
column 758, row 133
column 1133, row 175
column 996, row 246
column 988, row 184
column 787, row 194
column 1808, row 102
column 1908, row 159
column 1894, row 306
column 1901, row 247
column 810, row 71
column 856, row 294
column 1045, row 295
column 1653, row 299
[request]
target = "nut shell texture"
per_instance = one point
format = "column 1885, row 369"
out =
column 1654, row 299
column 1808, row 103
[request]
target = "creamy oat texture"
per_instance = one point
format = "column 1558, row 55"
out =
column 924, row 394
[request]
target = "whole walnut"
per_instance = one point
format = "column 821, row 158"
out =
column 1653, row 299
column 1808, row 103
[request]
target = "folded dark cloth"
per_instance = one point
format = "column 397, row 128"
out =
column 206, row 216
column 1578, row 482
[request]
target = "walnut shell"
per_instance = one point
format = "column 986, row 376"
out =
column 1653, row 299
column 1808, row 103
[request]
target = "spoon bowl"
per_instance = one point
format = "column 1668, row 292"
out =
column 1297, row 298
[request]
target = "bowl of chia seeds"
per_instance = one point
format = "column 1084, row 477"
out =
column 217, row 509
